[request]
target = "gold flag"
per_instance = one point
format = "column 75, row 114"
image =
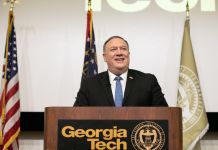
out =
column 195, row 123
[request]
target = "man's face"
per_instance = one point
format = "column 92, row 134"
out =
column 116, row 55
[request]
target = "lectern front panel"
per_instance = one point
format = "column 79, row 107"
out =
column 112, row 134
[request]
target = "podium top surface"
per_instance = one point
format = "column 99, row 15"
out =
column 113, row 112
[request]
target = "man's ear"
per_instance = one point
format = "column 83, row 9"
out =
column 105, row 60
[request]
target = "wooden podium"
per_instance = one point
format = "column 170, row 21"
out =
column 172, row 115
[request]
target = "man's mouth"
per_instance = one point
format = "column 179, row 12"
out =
column 119, row 59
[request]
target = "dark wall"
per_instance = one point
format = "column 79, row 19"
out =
column 34, row 121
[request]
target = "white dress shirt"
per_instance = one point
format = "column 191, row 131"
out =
column 113, row 82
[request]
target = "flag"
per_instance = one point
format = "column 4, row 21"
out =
column 9, row 92
column 195, row 123
column 90, row 67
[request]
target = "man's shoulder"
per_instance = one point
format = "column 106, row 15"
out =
column 102, row 74
column 141, row 77
column 140, row 73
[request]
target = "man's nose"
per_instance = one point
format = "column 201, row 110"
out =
column 119, row 51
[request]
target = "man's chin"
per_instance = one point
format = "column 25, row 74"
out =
column 122, row 69
column 120, row 65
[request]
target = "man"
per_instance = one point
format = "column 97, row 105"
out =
column 119, row 85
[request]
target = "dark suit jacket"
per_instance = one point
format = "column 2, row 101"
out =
column 141, row 90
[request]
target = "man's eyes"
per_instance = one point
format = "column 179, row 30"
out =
column 123, row 48
column 115, row 48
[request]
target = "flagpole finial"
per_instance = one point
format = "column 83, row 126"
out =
column 89, row 5
column 12, row 2
column 187, row 10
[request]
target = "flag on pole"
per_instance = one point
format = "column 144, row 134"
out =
column 195, row 123
column 90, row 67
column 9, row 92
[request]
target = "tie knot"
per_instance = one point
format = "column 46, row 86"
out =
column 118, row 78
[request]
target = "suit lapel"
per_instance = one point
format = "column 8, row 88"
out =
column 107, row 87
column 129, row 85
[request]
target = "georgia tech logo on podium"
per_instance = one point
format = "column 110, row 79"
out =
column 148, row 136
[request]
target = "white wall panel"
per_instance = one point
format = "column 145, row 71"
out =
column 51, row 41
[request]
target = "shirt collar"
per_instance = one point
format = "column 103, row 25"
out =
column 112, row 76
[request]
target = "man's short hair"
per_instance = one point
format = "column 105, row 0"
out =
column 114, row 37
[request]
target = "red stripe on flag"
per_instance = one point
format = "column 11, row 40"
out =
column 13, row 110
column 12, row 91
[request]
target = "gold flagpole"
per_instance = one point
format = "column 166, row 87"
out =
column 12, row 3
column 90, row 23
column 187, row 11
column 89, row 5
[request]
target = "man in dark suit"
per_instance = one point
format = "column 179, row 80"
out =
column 135, row 88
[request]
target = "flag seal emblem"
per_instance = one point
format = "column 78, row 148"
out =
column 148, row 135
column 189, row 97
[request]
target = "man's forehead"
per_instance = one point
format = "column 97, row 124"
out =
column 116, row 41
